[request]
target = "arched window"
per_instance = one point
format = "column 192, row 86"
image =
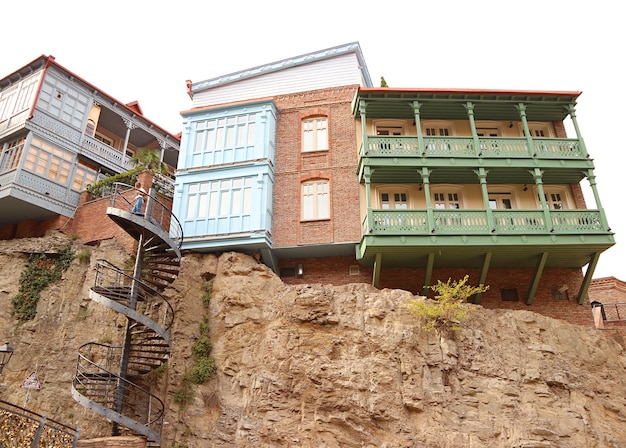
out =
column 315, row 199
column 315, row 134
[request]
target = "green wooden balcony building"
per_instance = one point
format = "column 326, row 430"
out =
column 476, row 179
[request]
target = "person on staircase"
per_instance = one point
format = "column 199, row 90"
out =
column 140, row 194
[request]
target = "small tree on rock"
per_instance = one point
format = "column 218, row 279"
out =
column 449, row 307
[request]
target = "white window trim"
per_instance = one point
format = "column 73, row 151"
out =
column 505, row 189
column 392, row 189
column 402, row 124
column 560, row 189
column 316, row 144
column 546, row 127
column 316, row 213
column 438, row 124
column 448, row 188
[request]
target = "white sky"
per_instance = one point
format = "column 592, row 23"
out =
column 145, row 50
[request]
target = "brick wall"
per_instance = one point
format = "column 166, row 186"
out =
column 90, row 222
column 337, row 271
column 338, row 165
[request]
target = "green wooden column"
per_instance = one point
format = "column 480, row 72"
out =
column 592, row 183
column 470, row 115
column 418, row 126
column 537, row 176
column 572, row 113
column 482, row 178
column 368, row 198
column 430, row 216
column 529, row 138
column 362, row 107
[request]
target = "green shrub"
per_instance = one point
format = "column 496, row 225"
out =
column 127, row 177
column 202, row 347
column 449, row 307
column 207, row 287
column 203, row 370
column 184, row 394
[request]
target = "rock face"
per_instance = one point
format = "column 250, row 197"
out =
column 322, row 366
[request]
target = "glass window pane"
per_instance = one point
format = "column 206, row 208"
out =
column 224, row 203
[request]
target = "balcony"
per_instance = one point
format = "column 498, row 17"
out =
column 454, row 159
column 496, row 147
column 462, row 238
column 477, row 222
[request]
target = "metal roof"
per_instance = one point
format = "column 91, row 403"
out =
column 295, row 61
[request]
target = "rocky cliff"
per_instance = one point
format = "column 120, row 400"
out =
column 326, row 366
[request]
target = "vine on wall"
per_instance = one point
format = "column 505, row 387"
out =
column 41, row 271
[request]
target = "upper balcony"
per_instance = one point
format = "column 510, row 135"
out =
column 456, row 132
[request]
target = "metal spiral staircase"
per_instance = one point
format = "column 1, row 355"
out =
column 107, row 377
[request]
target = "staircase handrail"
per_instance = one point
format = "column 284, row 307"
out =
column 110, row 278
column 87, row 369
column 42, row 420
column 160, row 215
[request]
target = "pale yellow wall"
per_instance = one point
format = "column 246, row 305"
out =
column 458, row 127
column 471, row 195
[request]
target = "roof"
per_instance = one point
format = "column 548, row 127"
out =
column 46, row 61
column 295, row 61
column 542, row 105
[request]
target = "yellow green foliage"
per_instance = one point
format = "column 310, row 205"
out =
column 449, row 307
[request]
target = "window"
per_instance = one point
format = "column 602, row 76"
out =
column 61, row 99
column 106, row 140
column 315, row 134
column 509, row 295
column 393, row 200
column 447, row 200
column 539, row 130
column 49, row 161
column 315, row 200
column 220, row 198
column 500, row 201
column 83, row 177
column 11, row 157
column 555, row 197
column 389, row 130
column 225, row 139
column 560, row 293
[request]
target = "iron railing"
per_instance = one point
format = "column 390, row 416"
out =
column 122, row 197
column 115, row 283
column 20, row 427
column 95, row 379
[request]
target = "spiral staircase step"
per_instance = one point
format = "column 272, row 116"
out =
column 94, row 386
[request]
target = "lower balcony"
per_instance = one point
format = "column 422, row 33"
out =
column 465, row 238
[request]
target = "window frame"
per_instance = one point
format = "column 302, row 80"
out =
column 446, row 190
column 316, row 199
column 315, row 143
